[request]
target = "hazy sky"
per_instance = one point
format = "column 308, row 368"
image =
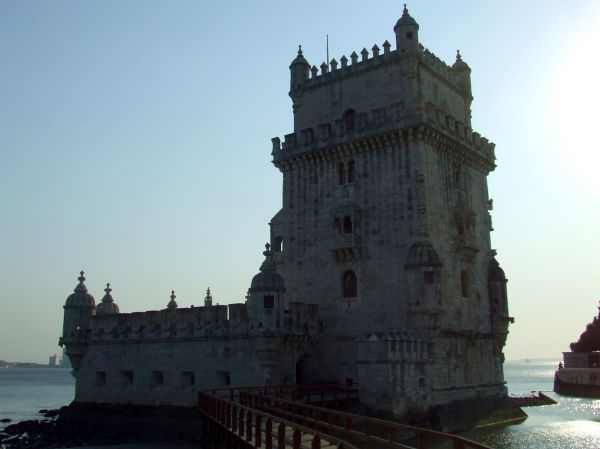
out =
column 135, row 144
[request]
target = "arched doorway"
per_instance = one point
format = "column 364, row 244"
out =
column 304, row 372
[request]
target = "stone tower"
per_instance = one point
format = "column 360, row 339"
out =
column 79, row 308
column 385, row 224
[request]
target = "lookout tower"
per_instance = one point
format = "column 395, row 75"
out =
column 386, row 223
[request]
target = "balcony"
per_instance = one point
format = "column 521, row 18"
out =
column 346, row 248
column 466, row 249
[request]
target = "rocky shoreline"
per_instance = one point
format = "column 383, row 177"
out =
column 74, row 425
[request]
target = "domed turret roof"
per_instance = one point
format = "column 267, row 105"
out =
column 460, row 65
column 80, row 297
column 406, row 20
column 495, row 273
column 268, row 279
column 300, row 59
column 422, row 254
column 172, row 304
column 107, row 306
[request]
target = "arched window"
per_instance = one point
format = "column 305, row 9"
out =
column 351, row 172
column 278, row 244
column 337, row 225
column 464, row 284
column 341, row 173
column 349, row 284
column 268, row 301
column 348, row 228
column 349, row 120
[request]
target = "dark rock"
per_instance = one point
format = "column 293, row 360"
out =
column 5, row 420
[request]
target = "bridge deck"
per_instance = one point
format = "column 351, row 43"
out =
column 265, row 417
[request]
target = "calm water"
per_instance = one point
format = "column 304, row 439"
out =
column 572, row 424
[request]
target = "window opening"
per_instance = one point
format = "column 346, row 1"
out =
column 127, row 377
column 349, row 284
column 188, row 378
column 349, row 120
column 341, row 173
column 464, row 284
column 428, row 277
column 268, row 301
column 348, row 225
column 351, row 172
column 100, row 378
column 158, row 378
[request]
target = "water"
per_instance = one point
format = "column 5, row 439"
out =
column 24, row 391
column 574, row 423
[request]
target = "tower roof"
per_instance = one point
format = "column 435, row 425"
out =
column 495, row 272
column 460, row 65
column 172, row 304
column 299, row 59
column 107, row 306
column 406, row 20
column 268, row 279
column 80, row 295
column 422, row 254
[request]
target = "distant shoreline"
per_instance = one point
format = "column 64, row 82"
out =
column 4, row 364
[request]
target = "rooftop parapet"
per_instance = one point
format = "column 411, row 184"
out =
column 346, row 68
column 194, row 322
column 219, row 320
column 379, row 121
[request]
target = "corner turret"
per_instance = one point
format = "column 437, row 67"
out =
column 299, row 71
column 407, row 33
column 208, row 298
column 265, row 295
column 108, row 305
column 463, row 71
column 172, row 305
column 79, row 308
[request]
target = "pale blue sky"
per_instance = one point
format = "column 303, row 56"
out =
column 135, row 144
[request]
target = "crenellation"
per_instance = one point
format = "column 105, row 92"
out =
column 364, row 55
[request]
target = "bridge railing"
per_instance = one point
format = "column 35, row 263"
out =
column 367, row 432
column 259, row 429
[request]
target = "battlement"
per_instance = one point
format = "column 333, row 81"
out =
column 356, row 65
column 406, row 346
column 379, row 121
column 193, row 322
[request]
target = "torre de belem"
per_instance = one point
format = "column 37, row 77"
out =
column 379, row 271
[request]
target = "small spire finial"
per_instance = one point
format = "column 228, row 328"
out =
column 208, row 298
column 405, row 10
column 81, row 277
column 458, row 57
column 299, row 50
column 172, row 304
column 108, row 289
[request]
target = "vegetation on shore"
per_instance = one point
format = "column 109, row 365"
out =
column 589, row 340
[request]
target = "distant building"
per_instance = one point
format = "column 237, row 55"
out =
column 64, row 360
column 52, row 361
column 379, row 270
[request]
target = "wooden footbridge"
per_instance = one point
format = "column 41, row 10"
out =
column 299, row 417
